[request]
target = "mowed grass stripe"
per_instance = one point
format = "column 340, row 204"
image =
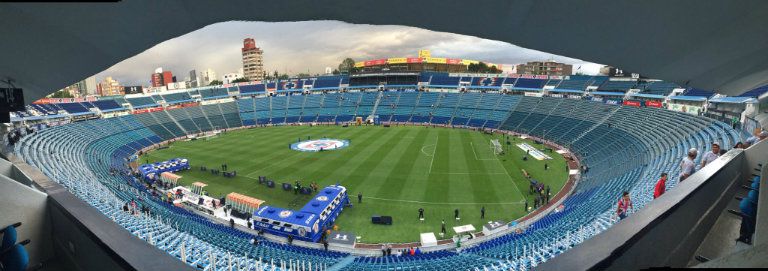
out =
column 285, row 169
column 362, row 172
column 398, row 177
column 482, row 185
column 418, row 179
column 279, row 152
column 460, row 185
column 437, row 186
column 336, row 168
column 340, row 160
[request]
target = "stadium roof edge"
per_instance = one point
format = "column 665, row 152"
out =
column 82, row 49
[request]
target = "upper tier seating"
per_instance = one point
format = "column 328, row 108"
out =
column 139, row 102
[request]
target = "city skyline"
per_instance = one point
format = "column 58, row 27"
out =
column 310, row 47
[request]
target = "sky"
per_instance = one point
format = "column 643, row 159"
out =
column 295, row 47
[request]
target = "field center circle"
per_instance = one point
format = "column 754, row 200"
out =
column 325, row 144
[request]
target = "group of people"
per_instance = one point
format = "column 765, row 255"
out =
column 133, row 208
column 297, row 187
column 386, row 250
column 687, row 168
column 541, row 193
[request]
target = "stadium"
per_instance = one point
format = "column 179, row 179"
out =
column 462, row 171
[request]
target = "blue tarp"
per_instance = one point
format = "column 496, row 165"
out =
column 287, row 216
column 152, row 171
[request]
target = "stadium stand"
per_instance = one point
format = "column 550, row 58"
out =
column 107, row 105
column 74, row 108
column 659, row 88
column 179, row 97
column 617, row 86
column 141, row 102
column 624, row 147
column 698, row 93
column 756, row 92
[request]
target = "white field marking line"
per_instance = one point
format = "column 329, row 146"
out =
column 433, row 155
column 478, row 159
column 425, row 153
column 447, row 203
column 510, row 177
column 273, row 163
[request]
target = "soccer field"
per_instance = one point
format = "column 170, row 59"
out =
column 397, row 169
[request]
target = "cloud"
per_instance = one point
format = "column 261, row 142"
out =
column 294, row 47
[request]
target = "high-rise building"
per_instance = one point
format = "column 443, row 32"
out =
column 82, row 88
column 161, row 78
column 110, row 87
column 206, row 77
column 545, row 68
column 253, row 64
column 193, row 79
column 90, row 86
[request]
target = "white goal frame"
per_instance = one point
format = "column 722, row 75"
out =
column 496, row 147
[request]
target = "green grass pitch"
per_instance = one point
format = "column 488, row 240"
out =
column 397, row 169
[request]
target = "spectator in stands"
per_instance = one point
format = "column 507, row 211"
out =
column 325, row 245
column 661, row 186
column 383, row 250
column 738, row 145
column 231, row 222
column 711, row 155
column 756, row 138
column 290, row 239
column 625, row 203
column 417, row 252
column 687, row 166
column 412, row 252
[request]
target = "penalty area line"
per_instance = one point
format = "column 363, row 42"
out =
column 478, row 159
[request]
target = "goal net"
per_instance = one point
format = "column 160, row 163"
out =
column 496, row 147
column 211, row 134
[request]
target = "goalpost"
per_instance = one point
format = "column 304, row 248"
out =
column 496, row 147
column 212, row 133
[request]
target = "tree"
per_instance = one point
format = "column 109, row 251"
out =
column 302, row 75
column 336, row 72
column 62, row 94
column 347, row 65
column 215, row 83
column 275, row 75
column 241, row 79
column 482, row 67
